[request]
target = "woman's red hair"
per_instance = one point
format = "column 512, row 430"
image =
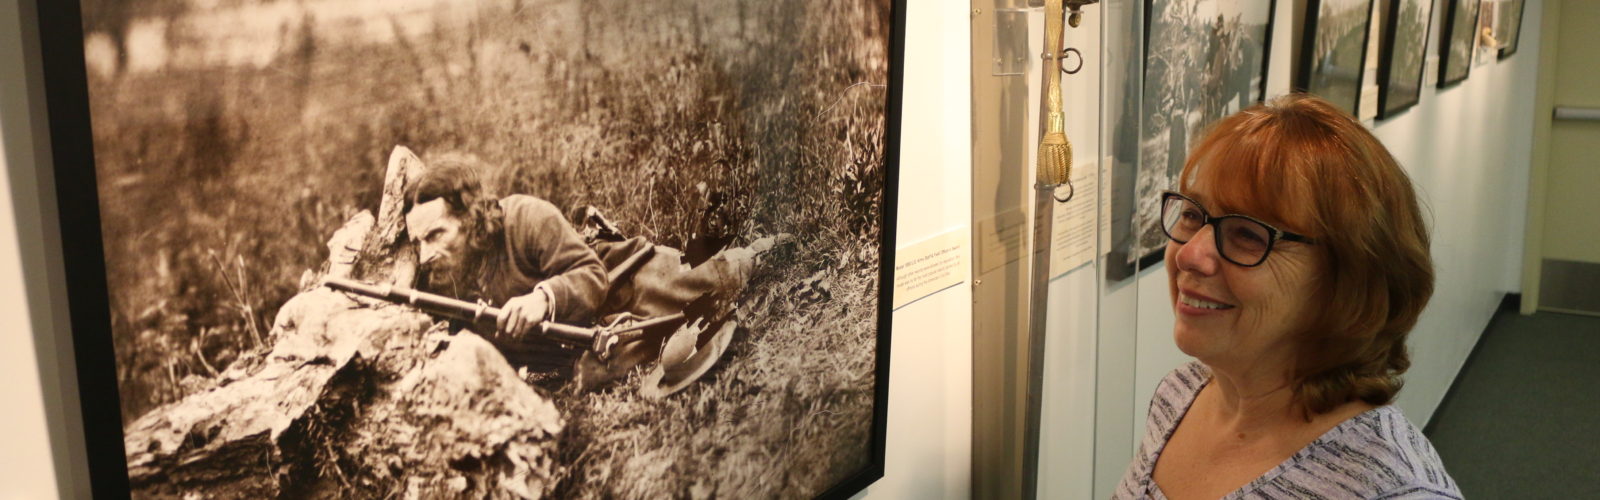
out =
column 1302, row 164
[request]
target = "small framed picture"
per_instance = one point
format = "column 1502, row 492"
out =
column 1334, row 51
column 1405, row 44
column 1457, row 40
column 1510, row 31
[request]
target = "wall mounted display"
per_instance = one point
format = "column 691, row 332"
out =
column 1335, row 51
column 478, row 248
column 1405, row 45
column 1204, row 59
column 1457, row 40
column 1510, row 30
column 1488, row 32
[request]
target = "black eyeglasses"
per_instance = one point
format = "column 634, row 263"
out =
column 1241, row 239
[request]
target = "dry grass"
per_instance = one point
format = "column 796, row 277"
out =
column 727, row 119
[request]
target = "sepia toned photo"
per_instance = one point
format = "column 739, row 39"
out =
column 493, row 248
column 1457, row 41
column 1405, row 47
column 1336, row 51
column 1205, row 59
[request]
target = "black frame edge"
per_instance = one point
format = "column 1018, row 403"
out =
column 1361, row 74
column 1308, row 40
column 77, row 197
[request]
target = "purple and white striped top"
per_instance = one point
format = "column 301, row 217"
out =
column 1375, row 455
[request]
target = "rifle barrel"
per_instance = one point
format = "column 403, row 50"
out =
column 482, row 313
column 439, row 304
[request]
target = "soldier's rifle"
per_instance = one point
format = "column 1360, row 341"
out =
column 598, row 339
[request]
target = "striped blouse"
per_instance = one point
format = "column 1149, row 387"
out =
column 1375, row 455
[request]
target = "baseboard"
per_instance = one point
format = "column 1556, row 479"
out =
column 1510, row 304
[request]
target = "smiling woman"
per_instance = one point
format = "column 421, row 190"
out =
column 1296, row 303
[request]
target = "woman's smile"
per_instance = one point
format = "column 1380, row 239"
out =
column 1193, row 303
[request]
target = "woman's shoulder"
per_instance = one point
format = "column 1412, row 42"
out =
column 1182, row 383
column 1172, row 398
column 1174, row 393
column 1390, row 453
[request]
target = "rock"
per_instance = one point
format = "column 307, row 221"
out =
column 355, row 398
column 386, row 255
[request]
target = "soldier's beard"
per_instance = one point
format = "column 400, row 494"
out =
column 460, row 276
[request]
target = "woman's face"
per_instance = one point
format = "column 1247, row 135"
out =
column 1233, row 315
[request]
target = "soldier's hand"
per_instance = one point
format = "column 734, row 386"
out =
column 522, row 314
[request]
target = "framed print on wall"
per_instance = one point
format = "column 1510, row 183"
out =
column 1488, row 43
column 1457, row 41
column 1335, row 51
column 478, row 248
column 1405, row 45
column 1511, row 27
column 1204, row 60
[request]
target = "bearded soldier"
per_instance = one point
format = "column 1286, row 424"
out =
column 518, row 252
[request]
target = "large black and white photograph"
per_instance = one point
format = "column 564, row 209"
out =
column 1335, row 51
column 1204, row 59
column 1457, row 41
column 1404, row 50
column 491, row 248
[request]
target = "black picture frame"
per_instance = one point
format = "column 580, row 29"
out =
column 1510, row 44
column 1402, row 66
column 1320, row 73
column 79, row 186
column 1457, row 41
column 1156, row 168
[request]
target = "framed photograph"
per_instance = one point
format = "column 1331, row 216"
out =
column 1204, row 59
column 1405, row 45
column 478, row 248
column 1335, row 51
column 1457, row 41
column 1488, row 32
column 1511, row 26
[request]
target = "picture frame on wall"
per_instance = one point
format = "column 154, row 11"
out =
column 1489, row 42
column 1457, row 41
column 478, row 248
column 1231, row 40
column 1334, row 51
column 1511, row 27
column 1405, row 45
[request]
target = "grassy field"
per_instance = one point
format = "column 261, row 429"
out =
column 221, row 182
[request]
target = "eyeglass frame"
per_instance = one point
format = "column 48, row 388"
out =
column 1216, row 229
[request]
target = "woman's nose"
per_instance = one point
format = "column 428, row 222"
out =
column 1199, row 255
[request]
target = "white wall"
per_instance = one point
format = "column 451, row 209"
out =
column 25, row 446
column 1467, row 150
column 38, row 388
column 929, row 448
